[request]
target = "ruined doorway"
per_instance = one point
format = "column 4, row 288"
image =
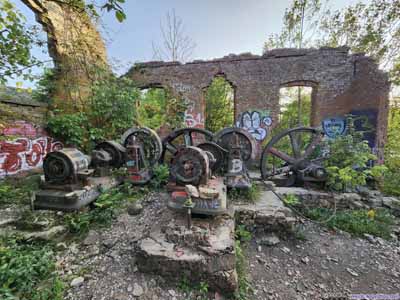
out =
column 151, row 107
column 219, row 104
column 295, row 106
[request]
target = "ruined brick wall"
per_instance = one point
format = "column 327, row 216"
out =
column 23, row 140
column 342, row 83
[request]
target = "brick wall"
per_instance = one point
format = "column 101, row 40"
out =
column 342, row 83
column 23, row 139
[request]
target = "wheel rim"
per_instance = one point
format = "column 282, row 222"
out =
column 289, row 152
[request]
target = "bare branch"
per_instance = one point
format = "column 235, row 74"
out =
column 175, row 45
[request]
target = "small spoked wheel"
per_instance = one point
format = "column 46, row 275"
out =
column 183, row 137
column 293, row 155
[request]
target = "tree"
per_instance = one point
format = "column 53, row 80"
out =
column 372, row 28
column 300, row 22
column 17, row 39
column 176, row 45
column 219, row 105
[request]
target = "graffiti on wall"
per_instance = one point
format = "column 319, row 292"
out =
column 334, row 126
column 27, row 152
column 191, row 117
column 365, row 121
column 256, row 122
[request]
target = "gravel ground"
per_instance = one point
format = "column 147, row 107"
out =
column 103, row 265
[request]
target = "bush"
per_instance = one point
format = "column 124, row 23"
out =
column 108, row 112
column 248, row 195
column 27, row 272
column 161, row 176
column 347, row 163
column 357, row 222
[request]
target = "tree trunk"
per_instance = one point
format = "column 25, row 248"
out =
column 76, row 47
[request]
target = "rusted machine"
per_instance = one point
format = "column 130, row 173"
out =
column 143, row 150
column 202, row 165
column 193, row 157
column 73, row 179
column 240, row 146
column 294, row 157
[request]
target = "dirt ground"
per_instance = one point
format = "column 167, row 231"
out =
column 320, row 264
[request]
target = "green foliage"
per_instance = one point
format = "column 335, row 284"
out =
column 291, row 200
column 357, row 222
column 109, row 111
column 17, row 191
column 70, row 128
column 161, row 176
column 16, row 41
column 391, row 178
column 371, row 28
column 245, row 289
column 105, row 210
column 299, row 23
column 347, row 162
column 219, row 105
column 27, row 272
column 251, row 194
column 157, row 107
column 45, row 86
column 198, row 291
column 242, row 234
column 242, row 237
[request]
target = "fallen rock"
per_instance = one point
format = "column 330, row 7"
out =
column 135, row 209
column 269, row 240
column 77, row 281
column 392, row 203
column 192, row 191
column 137, row 290
column 48, row 235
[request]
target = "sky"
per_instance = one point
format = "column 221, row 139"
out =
column 218, row 27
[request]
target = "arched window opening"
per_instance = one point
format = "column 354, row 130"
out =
column 219, row 105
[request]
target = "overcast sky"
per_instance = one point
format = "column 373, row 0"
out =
column 218, row 27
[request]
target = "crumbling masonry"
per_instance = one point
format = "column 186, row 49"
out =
column 342, row 83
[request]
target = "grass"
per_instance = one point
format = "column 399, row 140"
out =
column 27, row 271
column 199, row 291
column 357, row 222
column 247, row 195
column 105, row 209
column 245, row 289
column 13, row 191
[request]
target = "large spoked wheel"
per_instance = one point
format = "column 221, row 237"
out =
column 183, row 137
column 229, row 138
column 152, row 145
column 292, row 154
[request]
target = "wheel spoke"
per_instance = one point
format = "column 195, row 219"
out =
column 294, row 140
column 311, row 147
column 170, row 148
column 188, row 138
column 281, row 155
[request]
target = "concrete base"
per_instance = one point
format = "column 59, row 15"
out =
column 268, row 214
column 206, row 253
column 70, row 201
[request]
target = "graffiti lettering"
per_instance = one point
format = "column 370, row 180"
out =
column 191, row 117
column 24, row 154
column 256, row 123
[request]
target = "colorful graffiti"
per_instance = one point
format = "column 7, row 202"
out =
column 22, row 128
column 334, row 126
column 365, row 121
column 256, row 122
column 27, row 152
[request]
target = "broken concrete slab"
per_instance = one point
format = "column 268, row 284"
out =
column 268, row 214
column 206, row 253
column 70, row 201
